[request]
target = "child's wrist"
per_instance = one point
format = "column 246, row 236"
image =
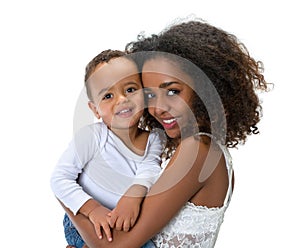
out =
column 133, row 200
column 137, row 190
column 89, row 207
column 89, row 213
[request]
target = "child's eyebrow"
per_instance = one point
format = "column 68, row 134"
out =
column 131, row 83
column 107, row 88
column 102, row 91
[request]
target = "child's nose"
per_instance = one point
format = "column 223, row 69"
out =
column 121, row 99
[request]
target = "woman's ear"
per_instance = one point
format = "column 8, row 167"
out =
column 93, row 107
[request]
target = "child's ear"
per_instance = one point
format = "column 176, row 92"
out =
column 93, row 107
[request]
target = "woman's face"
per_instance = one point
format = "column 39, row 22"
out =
column 169, row 94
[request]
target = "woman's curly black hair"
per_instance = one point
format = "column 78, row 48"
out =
column 225, row 60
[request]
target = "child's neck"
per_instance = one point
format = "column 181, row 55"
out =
column 127, row 135
column 134, row 138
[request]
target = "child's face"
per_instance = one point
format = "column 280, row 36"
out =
column 169, row 95
column 117, row 93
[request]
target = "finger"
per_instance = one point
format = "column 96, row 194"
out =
column 112, row 221
column 132, row 221
column 107, row 231
column 98, row 231
column 126, row 225
column 119, row 224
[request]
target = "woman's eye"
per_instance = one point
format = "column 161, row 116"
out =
column 107, row 96
column 173, row 92
column 149, row 95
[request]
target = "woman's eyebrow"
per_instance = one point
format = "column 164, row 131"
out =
column 167, row 84
column 161, row 86
column 146, row 88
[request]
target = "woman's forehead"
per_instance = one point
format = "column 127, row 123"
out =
column 164, row 70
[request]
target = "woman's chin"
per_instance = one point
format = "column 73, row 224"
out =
column 173, row 134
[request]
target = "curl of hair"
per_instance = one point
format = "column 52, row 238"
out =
column 226, row 61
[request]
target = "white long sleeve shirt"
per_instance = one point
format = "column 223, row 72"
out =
column 97, row 164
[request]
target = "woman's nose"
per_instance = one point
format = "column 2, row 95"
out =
column 160, row 106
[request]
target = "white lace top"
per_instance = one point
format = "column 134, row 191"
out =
column 196, row 226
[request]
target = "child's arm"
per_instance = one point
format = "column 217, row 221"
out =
column 98, row 215
column 178, row 183
column 125, row 214
column 64, row 178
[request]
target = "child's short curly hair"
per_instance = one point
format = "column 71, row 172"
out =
column 103, row 57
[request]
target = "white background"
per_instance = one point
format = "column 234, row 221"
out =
column 44, row 47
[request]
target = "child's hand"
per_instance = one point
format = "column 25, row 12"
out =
column 99, row 217
column 124, row 216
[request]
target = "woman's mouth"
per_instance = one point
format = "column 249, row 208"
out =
column 169, row 123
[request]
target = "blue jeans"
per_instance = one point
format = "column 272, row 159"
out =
column 71, row 234
column 149, row 244
column 73, row 237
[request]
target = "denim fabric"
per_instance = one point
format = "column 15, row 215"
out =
column 72, row 236
column 149, row 244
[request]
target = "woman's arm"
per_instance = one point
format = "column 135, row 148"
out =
column 178, row 183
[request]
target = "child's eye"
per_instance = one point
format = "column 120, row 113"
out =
column 173, row 92
column 107, row 96
column 130, row 90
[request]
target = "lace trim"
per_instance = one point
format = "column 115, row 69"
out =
column 202, row 208
column 193, row 226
